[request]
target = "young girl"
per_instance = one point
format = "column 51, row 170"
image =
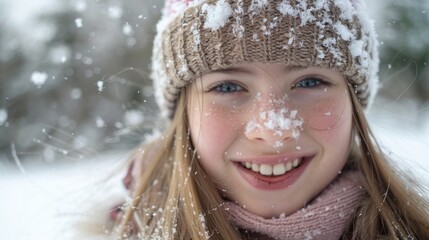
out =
column 267, row 136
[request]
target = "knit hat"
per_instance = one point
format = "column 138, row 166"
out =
column 197, row 36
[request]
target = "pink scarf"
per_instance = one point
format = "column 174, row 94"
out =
column 325, row 217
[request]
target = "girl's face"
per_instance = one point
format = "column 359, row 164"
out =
column 271, row 137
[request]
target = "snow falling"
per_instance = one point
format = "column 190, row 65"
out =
column 3, row 116
column 99, row 122
column 100, row 85
column 39, row 78
column 63, row 128
column 133, row 118
column 78, row 22
column 82, row 92
column 127, row 29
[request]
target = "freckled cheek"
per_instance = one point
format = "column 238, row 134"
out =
column 339, row 134
column 324, row 115
column 338, row 137
column 213, row 129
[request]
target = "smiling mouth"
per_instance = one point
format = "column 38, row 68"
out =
column 273, row 170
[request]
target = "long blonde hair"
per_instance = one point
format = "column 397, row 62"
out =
column 174, row 199
column 395, row 207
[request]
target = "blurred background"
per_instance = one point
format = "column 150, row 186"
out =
column 74, row 77
column 75, row 87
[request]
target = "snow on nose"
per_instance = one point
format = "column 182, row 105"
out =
column 277, row 118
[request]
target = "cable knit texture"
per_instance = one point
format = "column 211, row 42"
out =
column 198, row 36
column 324, row 218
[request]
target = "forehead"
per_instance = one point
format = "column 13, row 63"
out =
column 271, row 69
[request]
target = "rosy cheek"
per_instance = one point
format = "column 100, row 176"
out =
column 220, row 122
column 216, row 125
column 336, row 131
column 324, row 115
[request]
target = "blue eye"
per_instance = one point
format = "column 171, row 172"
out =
column 227, row 87
column 308, row 83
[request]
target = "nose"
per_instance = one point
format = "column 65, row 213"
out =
column 273, row 127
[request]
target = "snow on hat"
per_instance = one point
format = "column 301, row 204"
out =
column 197, row 36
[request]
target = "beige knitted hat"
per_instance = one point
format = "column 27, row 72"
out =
column 197, row 36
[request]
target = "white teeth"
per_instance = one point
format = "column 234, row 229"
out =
column 248, row 165
column 296, row 162
column 279, row 169
column 266, row 170
column 276, row 170
column 288, row 166
column 255, row 167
